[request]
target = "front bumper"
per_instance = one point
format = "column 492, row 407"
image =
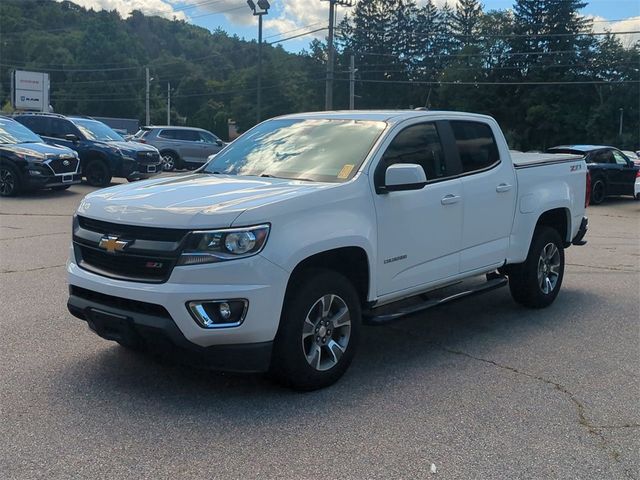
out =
column 49, row 181
column 113, row 319
column 255, row 279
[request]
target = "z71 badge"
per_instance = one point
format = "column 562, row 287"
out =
column 575, row 168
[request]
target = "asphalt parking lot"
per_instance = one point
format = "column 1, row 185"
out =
column 481, row 389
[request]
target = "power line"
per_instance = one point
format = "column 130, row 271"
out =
column 505, row 35
column 425, row 82
column 293, row 30
column 297, row 36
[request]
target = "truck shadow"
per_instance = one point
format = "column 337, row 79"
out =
column 390, row 359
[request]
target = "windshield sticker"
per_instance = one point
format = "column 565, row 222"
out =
column 346, row 170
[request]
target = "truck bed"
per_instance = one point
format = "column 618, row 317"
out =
column 525, row 160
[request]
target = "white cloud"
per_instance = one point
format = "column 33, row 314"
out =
column 631, row 24
column 162, row 8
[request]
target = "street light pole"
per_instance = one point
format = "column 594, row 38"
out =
column 262, row 8
column 328, row 99
column 147, row 120
column 620, row 131
column 168, row 103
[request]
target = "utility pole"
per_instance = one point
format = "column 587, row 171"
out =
column 352, row 82
column 147, row 119
column 262, row 8
column 620, row 131
column 168, row 103
column 328, row 99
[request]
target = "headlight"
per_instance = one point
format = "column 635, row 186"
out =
column 226, row 244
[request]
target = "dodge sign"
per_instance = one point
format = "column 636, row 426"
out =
column 30, row 90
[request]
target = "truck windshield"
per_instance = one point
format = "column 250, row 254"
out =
column 13, row 132
column 94, row 130
column 322, row 150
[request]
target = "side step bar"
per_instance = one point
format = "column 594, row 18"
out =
column 494, row 281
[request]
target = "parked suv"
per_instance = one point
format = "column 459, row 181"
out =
column 103, row 152
column 181, row 147
column 27, row 162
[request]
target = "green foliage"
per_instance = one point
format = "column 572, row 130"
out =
column 512, row 64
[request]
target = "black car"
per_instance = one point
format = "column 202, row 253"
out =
column 103, row 152
column 612, row 173
column 27, row 162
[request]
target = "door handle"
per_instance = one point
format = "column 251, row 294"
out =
column 450, row 199
column 503, row 187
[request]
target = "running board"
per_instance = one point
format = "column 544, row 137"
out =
column 371, row 318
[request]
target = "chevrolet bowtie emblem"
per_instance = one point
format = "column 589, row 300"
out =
column 113, row 244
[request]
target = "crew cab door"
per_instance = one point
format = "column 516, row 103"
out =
column 419, row 231
column 489, row 190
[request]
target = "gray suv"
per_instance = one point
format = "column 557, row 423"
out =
column 180, row 147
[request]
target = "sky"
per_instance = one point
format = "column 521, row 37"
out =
column 288, row 18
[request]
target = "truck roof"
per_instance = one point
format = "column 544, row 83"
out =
column 383, row 115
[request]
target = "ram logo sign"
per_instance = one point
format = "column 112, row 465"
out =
column 30, row 90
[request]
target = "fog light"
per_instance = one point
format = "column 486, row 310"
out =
column 225, row 311
column 35, row 172
column 218, row 313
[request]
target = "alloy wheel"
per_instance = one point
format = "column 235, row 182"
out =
column 169, row 163
column 548, row 268
column 326, row 332
column 7, row 181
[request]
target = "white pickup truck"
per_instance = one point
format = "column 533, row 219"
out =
column 272, row 255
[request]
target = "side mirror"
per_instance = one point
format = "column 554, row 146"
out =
column 70, row 137
column 404, row 176
column 219, row 142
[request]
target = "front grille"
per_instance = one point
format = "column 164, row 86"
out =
column 63, row 165
column 145, row 158
column 134, row 306
column 124, row 266
column 149, row 256
column 133, row 231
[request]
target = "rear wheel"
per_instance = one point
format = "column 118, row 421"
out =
column 10, row 184
column 598, row 191
column 319, row 331
column 97, row 174
column 536, row 282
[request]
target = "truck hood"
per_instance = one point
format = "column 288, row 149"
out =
column 192, row 201
column 126, row 146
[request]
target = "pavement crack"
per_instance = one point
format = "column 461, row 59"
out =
column 33, row 236
column 32, row 269
column 614, row 268
column 592, row 429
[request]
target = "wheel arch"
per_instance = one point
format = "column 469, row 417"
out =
column 351, row 261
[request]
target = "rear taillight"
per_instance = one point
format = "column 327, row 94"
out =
column 587, row 193
column 638, row 174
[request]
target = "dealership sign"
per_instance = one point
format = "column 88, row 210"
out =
column 30, row 90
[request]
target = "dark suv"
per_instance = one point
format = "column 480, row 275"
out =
column 27, row 163
column 103, row 152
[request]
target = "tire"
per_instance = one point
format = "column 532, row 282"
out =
column 171, row 161
column 10, row 181
column 598, row 191
column 536, row 282
column 60, row 188
column 313, row 350
column 97, row 174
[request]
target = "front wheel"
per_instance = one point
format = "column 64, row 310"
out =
column 319, row 331
column 170, row 161
column 10, row 184
column 536, row 282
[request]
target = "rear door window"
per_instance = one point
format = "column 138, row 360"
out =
column 604, row 156
column 188, row 135
column 476, row 145
column 35, row 123
column 620, row 158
